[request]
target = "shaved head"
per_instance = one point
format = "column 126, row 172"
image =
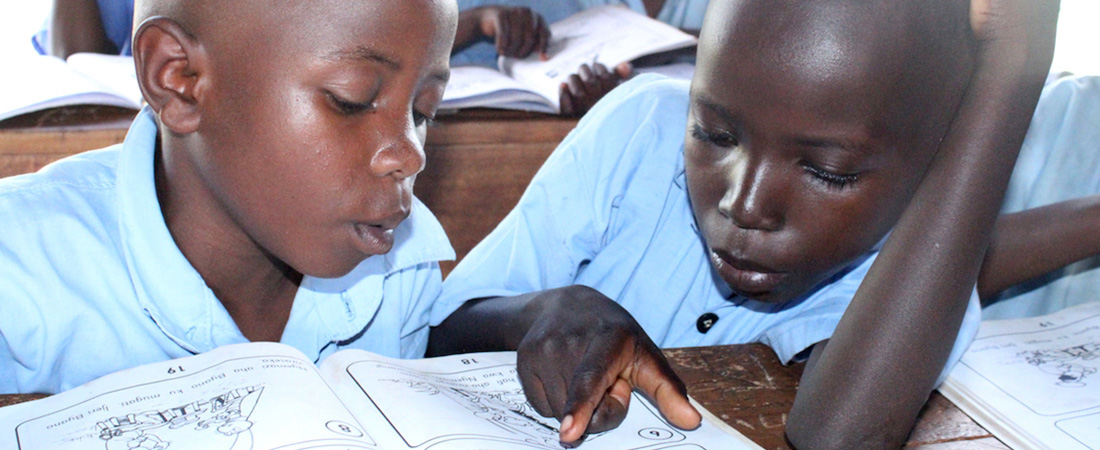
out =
column 909, row 60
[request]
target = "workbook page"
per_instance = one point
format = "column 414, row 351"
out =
column 476, row 401
column 241, row 397
column 1035, row 380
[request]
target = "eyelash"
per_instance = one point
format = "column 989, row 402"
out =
column 350, row 108
column 721, row 139
column 836, row 180
column 422, row 119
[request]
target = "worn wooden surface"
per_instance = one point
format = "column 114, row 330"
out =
column 747, row 387
column 478, row 161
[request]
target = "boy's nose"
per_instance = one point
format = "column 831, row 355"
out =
column 402, row 156
column 753, row 197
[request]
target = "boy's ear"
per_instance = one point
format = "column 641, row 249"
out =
column 169, row 62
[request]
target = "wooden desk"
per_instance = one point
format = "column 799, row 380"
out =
column 478, row 161
column 747, row 387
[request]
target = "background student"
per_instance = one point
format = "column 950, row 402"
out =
column 517, row 28
column 265, row 194
column 96, row 26
column 756, row 207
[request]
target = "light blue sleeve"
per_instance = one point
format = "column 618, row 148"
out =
column 420, row 287
column 7, row 367
column 560, row 221
column 539, row 245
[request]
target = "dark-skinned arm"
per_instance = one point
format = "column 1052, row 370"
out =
column 1034, row 242
column 580, row 354
column 75, row 27
column 515, row 31
column 865, row 388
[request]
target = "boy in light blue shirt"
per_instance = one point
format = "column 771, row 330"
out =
column 264, row 195
column 832, row 174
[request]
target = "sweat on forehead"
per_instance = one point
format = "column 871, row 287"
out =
column 910, row 59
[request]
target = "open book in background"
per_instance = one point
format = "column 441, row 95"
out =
column 609, row 35
column 41, row 82
column 267, row 395
column 1035, row 382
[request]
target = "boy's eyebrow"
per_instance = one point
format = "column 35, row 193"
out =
column 365, row 53
column 714, row 107
column 368, row 54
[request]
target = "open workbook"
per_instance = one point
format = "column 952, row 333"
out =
column 37, row 82
column 267, row 396
column 1034, row 383
column 610, row 35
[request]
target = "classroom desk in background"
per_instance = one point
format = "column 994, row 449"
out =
column 478, row 161
column 747, row 387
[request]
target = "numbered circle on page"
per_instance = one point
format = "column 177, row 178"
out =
column 655, row 434
column 343, row 428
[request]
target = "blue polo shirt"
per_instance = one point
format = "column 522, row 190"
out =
column 93, row 283
column 610, row 210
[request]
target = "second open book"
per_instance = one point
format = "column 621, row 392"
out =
column 267, row 396
column 609, row 35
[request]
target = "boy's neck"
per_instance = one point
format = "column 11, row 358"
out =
column 256, row 288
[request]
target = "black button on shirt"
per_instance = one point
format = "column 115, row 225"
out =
column 706, row 321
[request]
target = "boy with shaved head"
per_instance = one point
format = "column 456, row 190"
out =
column 827, row 185
column 265, row 194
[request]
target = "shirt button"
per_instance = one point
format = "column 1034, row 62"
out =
column 705, row 322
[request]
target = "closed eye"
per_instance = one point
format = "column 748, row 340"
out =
column 722, row 139
column 347, row 107
column 420, row 118
column 831, row 179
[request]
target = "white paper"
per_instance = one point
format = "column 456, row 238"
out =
column 266, row 396
column 40, row 82
column 1034, row 382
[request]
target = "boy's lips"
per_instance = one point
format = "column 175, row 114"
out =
column 374, row 239
column 745, row 277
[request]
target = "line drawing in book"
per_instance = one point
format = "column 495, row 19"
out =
column 224, row 417
column 1065, row 363
column 493, row 395
column 507, row 410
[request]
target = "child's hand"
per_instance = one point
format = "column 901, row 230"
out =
column 518, row 31
column 582, row 357
column 586, row 87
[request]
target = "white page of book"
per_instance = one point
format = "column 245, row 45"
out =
column 1035, row 382
column 475, row 401
column 114, row 71
column 237, row 397
column 40, row 82
column 266, row 396
column 609, row 35
column 474, row 86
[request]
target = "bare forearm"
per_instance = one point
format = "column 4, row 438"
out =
column 469, row 29
column 871, row 380
column 76, row 27
column 1031, row 243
